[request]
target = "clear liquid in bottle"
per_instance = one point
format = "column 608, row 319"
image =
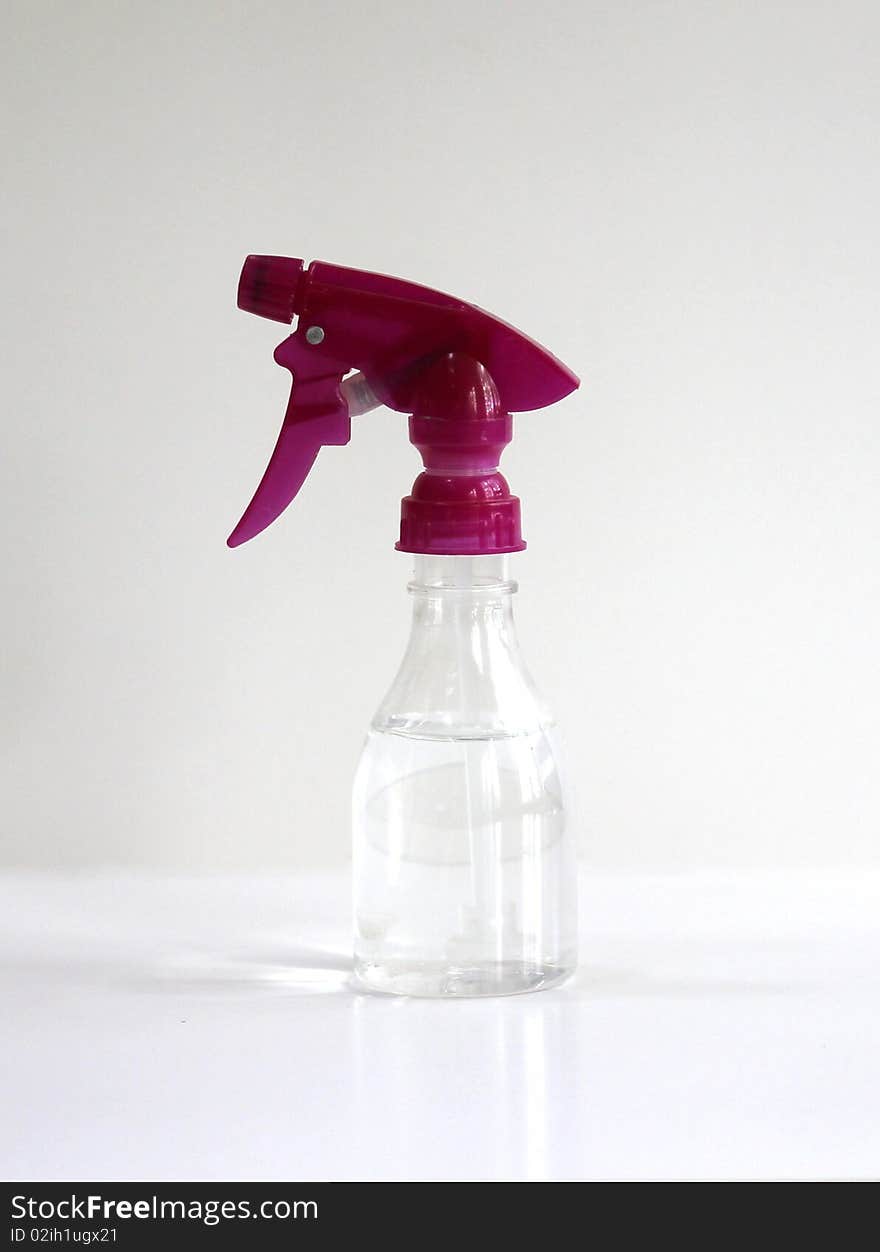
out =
column 464, row 871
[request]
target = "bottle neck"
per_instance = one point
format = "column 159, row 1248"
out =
column 462, row 674
column 449, row 576
column 460, row 599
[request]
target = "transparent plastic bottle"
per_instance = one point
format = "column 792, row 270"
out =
column 464, row 864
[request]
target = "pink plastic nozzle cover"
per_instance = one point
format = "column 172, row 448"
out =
column 457, row 370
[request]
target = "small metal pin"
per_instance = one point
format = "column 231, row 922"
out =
column 315, row 334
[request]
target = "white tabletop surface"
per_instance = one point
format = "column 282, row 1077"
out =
column 161, row 1029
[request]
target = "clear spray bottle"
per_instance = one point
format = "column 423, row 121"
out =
column 464, row 869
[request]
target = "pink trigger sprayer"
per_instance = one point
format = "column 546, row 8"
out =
column 464, row 867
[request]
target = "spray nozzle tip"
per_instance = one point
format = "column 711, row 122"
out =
column 270, row 287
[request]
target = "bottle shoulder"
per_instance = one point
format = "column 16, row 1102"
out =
column 482, row 692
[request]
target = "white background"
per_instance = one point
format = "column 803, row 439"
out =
column 679, row 199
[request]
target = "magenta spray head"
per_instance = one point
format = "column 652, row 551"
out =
column 457, row 370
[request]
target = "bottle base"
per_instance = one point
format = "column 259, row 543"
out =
column 441, row 981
